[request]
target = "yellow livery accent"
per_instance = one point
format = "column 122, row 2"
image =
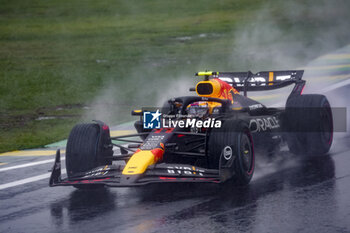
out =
column 216, row 88
column 206, row 73
column 270, row 78
column 139, row 162
column 137, row 111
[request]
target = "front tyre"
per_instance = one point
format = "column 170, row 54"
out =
column 231, row 148
column 87, row 149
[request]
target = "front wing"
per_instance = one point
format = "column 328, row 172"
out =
column 111, row 175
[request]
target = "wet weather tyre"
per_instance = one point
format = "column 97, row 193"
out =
column 309, row 125
column 235, row 137
column 83, row 152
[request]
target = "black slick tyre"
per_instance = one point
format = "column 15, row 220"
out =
column 309, row 125
column 83, row 151
column 232, row 146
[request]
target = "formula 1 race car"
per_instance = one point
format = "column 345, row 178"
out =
column 212, row 137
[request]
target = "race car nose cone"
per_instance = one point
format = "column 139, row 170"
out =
column 139, row 162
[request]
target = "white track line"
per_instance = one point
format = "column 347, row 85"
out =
column 30, row 179
column 28, row 164
column 26, row 181
column 336, row 85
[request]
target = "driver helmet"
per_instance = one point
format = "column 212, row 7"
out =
column 198, row 109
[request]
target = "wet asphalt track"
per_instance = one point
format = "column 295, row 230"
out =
column 286, row 195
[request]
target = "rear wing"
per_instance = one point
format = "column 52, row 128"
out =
column 261, row 81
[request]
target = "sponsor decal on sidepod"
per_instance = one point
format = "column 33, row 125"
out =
column 263, row 124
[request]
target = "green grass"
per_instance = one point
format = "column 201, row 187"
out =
column 67, row 54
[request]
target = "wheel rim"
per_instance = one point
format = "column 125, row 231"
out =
column 246, row 154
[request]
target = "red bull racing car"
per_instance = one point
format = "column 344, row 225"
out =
column 211, row 137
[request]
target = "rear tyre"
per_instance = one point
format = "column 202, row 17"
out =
column 309, row 124
column 84, row 151
column 232, row 146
